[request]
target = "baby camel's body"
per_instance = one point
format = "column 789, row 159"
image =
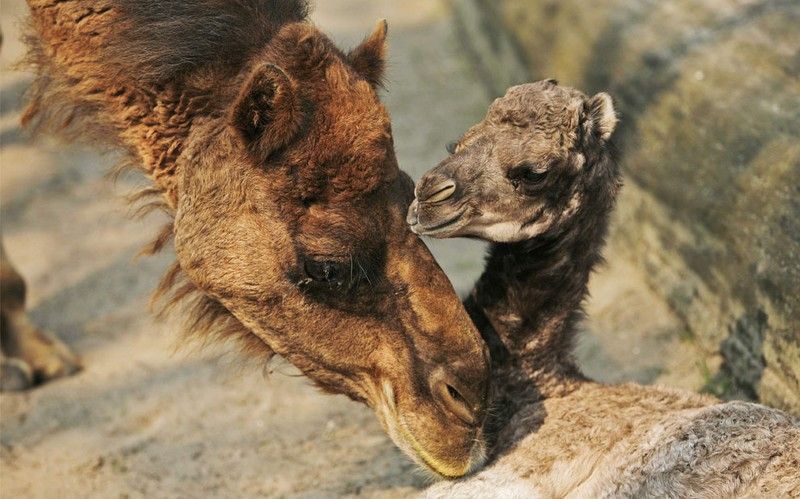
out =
column 537, row 178
column 639, row 441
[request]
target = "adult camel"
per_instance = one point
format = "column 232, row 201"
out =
column 272, row 152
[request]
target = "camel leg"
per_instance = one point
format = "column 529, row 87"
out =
column 29, row 354
column 15, row 375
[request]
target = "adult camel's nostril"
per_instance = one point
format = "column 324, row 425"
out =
column 439, row 192
column 454, row 397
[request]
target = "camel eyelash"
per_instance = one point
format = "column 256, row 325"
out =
column 333, row 274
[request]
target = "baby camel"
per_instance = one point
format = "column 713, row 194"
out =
column 537, row 177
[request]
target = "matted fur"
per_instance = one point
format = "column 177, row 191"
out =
column 164, row 41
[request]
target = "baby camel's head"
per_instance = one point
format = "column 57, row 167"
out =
column 540, row 156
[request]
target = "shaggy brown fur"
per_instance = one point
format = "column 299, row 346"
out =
column 538, row 174
column 272, row 150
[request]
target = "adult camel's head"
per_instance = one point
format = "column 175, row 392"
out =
column 289, row 206
column 291, row 214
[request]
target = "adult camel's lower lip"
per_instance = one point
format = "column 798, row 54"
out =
column 404, row 438
column 446, row 470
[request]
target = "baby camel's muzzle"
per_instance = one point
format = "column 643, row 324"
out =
column 436, row 210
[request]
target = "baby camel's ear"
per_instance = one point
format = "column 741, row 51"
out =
column 369, row 58
column 267, row 111
column 600, row 117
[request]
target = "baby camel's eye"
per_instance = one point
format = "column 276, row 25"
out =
column 532, row 177
column 527, row 176
column 451, row 147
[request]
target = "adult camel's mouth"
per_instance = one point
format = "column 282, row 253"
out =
column 404, row 438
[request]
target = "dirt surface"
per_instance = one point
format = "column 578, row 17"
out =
column 142, row 420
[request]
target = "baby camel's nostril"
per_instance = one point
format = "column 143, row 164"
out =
column 440, row 192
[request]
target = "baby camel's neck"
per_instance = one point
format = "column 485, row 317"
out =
column 528, row 302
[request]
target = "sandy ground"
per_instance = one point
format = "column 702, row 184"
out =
column 144, row 421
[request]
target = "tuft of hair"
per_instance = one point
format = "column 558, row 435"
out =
column 53, row 105
column 153, row 43
column 162, row 41
column 207, row 321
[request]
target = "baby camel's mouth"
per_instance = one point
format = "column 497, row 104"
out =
column 436, row 227
column 430, row 230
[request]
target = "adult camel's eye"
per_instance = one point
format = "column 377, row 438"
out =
column 451, row 147
column 327, row 271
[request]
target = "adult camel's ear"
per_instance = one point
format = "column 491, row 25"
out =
column 600, row 119
column 267, row 112
column 369, row 58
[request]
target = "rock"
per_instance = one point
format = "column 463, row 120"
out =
column 709, row 97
